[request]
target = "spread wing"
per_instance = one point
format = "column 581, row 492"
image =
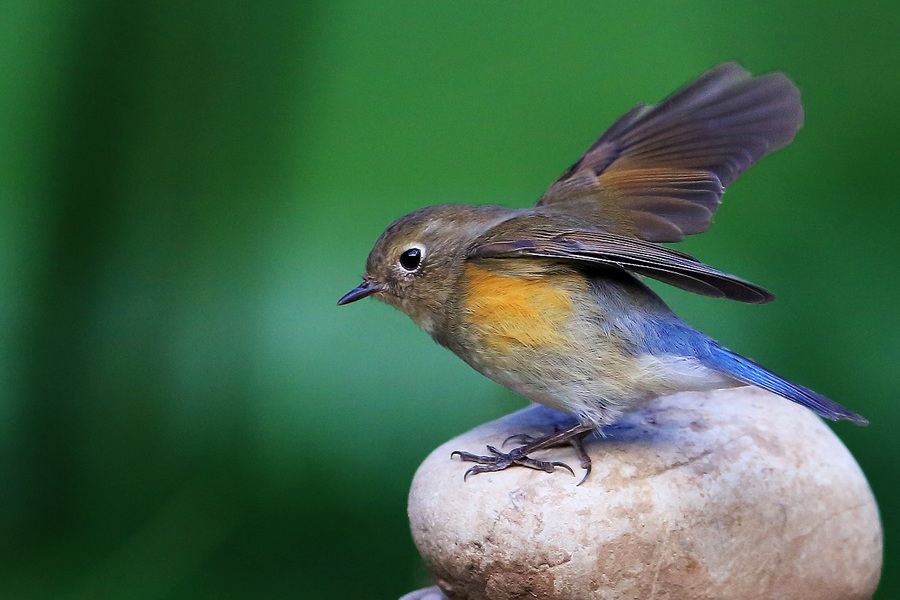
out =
column 658, row 173
column 532, row 237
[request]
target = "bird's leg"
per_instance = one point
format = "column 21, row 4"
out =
column 497, row 460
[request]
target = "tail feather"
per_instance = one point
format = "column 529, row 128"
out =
column 747, row 371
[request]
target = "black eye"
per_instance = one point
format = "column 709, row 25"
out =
column 411, row 259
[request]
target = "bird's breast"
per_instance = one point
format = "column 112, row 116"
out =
column 508, row 312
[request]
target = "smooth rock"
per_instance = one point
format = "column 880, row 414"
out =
column 429, row 593
column 732, row 494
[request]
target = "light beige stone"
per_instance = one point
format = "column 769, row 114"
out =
column 733, row 494
column 429, row 593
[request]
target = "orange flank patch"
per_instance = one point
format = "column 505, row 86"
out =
column 519, row 310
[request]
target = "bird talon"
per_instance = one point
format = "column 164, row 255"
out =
column 473, row 471
column 521, row 438
column 564, row 466
column 541, row 465
column 469, row 457
column 519, row 456
column 587, row 471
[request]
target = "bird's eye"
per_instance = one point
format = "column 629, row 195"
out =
column 411, row 259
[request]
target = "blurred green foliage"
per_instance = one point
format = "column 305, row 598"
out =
column 187, row 189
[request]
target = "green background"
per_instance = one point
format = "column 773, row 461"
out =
column 187, row 189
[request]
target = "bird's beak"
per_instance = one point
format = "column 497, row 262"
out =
column 363, row 290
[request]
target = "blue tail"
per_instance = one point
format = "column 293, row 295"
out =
column 744, row 369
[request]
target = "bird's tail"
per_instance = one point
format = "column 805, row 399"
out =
column 747, row 371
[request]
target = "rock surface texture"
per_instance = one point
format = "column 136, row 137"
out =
column 732, row 494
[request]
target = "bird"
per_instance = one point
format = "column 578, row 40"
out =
column 549, row 301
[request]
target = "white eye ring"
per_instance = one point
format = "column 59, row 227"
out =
column 411, row 258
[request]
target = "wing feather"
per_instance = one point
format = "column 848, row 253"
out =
column 649, row 171
column 531, row 237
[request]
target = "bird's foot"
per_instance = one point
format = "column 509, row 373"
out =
column 498, row 461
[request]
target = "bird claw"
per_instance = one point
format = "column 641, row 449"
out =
column 520, row 438
column 499, row 461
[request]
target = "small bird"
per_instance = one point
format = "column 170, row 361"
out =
column 547, row 301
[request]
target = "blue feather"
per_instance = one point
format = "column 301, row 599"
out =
column 744, row 369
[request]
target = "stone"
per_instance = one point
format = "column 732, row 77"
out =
column 731, row 494
column 429, row 593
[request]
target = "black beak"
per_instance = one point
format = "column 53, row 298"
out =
column 363, row 290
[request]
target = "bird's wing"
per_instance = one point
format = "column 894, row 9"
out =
column 658, row 173
column 535, row 237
